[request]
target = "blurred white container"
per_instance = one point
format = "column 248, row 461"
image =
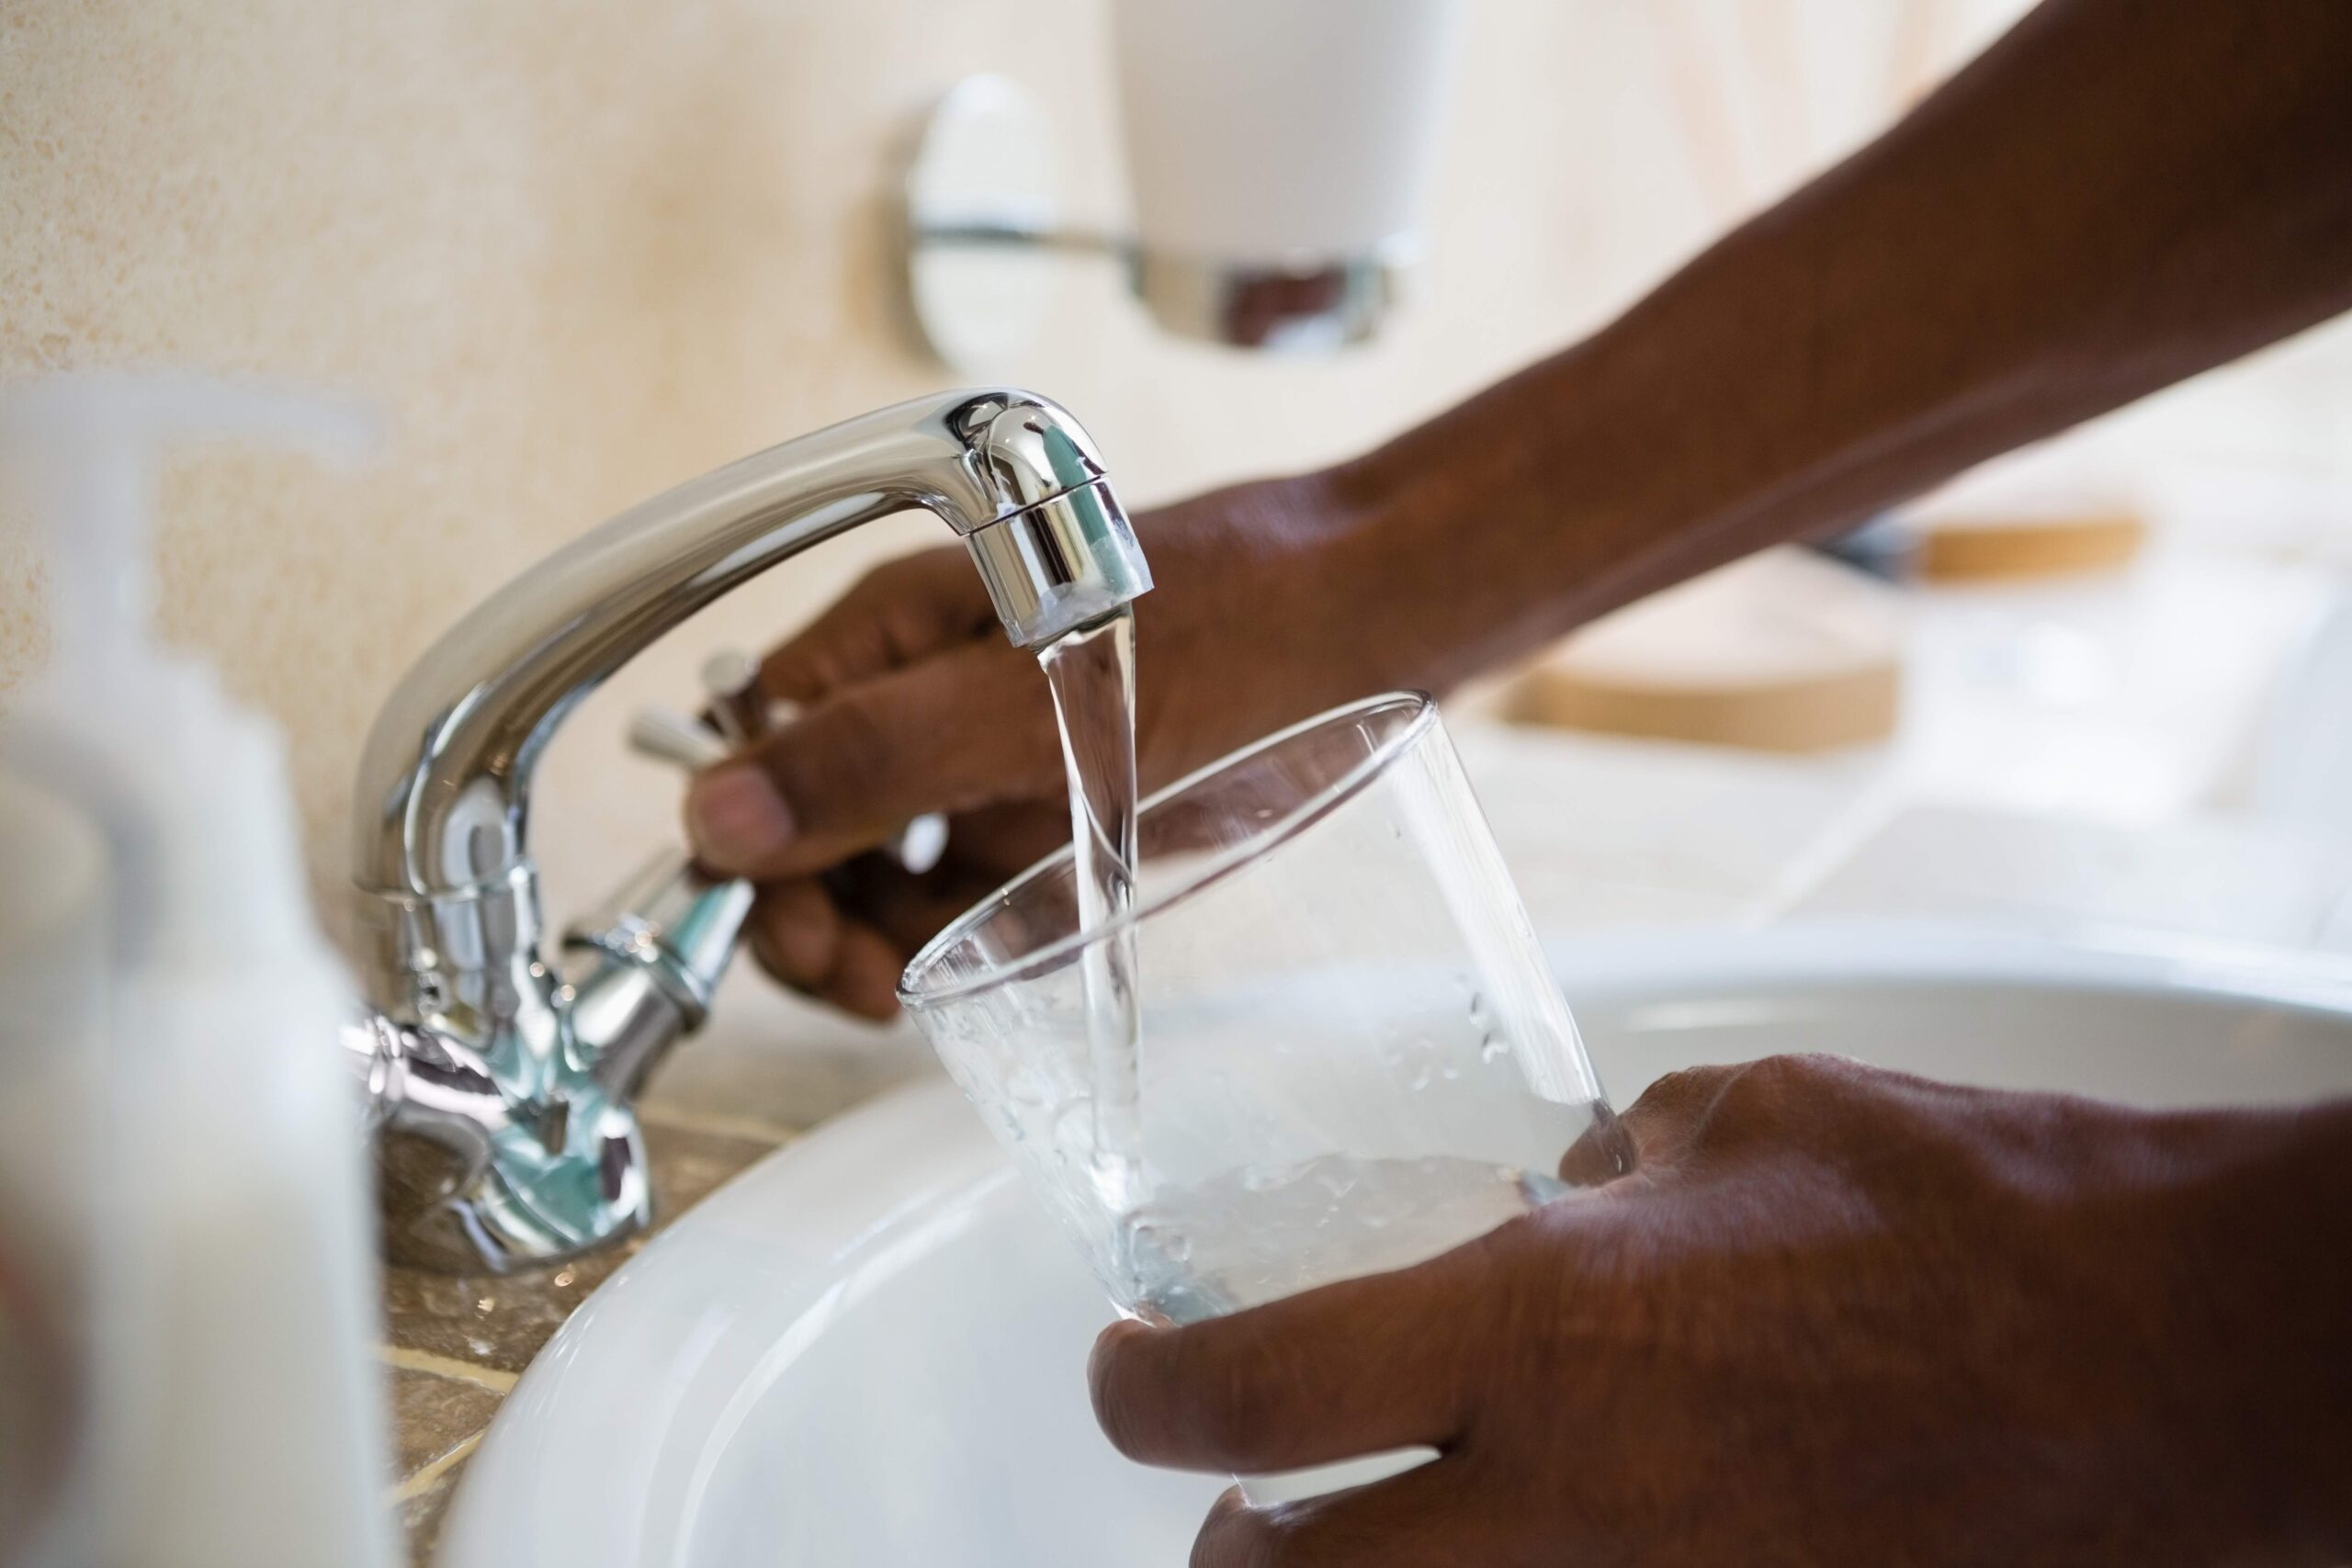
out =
column 1280, row 157
column 54, row 942
column 226, row 1408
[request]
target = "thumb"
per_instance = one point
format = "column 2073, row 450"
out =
column 968, row 729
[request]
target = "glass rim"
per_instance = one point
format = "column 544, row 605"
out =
column 1213, row 868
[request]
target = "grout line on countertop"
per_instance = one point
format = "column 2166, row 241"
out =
column 427, row 1475
column 449, row 1367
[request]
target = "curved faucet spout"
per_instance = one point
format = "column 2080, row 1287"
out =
column 450, row 925
column 444, row 783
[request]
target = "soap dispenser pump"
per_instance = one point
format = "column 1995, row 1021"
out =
column 229, row 1407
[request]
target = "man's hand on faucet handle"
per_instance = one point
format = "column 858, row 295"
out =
column 911, row 701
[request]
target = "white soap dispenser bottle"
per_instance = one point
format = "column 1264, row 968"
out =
column 232, row 1408
column 54, row 945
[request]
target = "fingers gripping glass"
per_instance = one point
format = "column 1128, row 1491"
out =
column 1352, row 1056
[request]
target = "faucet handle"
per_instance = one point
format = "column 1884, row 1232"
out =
column 730, row 678
column 743, row 713
column 738, row 715
column 673, row 919
column 668, row 736
column 654, row 951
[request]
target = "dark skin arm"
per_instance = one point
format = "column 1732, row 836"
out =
column 2120, row 194
column 1838, row 1317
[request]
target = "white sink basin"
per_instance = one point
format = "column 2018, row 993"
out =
column 869, row 1349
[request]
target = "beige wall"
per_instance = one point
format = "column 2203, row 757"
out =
column 579, row 251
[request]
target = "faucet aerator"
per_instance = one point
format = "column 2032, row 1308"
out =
column 1063, row 562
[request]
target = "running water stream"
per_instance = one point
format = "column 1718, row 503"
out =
column 1260, row 1231
column 1093, row 673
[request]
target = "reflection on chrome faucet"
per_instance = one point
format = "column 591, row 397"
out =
column 501, row 1090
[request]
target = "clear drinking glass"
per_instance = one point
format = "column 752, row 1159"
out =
column 1353, row 1057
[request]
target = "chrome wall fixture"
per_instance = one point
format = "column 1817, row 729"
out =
column 984, row 242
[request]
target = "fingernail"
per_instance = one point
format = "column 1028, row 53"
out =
column 736, row 818
column 1107, row 1343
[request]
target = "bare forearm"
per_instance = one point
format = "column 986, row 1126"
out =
column 2120, row 194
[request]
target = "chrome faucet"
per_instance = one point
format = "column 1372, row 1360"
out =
column 500, row 1089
